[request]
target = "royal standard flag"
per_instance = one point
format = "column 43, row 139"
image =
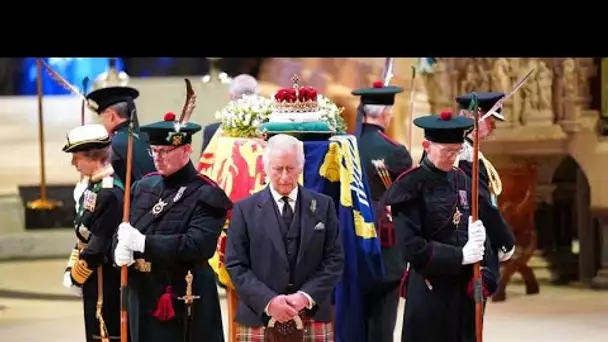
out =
column 236, row 165
column 333, row 167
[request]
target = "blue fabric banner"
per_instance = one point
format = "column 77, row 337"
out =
column 333, row 167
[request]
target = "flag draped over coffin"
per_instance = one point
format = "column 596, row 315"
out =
column 236, row 165
column 332, row 167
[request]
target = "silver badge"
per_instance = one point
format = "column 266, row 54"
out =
column 179, row 194
column 158, row 207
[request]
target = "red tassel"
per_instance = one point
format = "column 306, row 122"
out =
column 164, row 307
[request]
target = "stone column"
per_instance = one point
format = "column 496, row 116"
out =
column 600, row 281
column 587, row 252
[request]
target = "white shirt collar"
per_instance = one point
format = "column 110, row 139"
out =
column 293, row 195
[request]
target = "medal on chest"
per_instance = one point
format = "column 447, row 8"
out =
column 89, row 201
column 457, row 217
column 462, row 202
column 159, row 207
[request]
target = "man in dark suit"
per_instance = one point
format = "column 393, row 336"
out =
column 283, row 252
column 239, row 86
column 114, row 106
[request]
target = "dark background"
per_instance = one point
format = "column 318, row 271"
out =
column 14, row 72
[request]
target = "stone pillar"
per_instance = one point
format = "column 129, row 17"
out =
column 600, row 281
column 587, row 252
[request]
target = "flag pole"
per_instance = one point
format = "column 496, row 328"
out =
column 42, row 203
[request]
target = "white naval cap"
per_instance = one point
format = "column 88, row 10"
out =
column 87, row 137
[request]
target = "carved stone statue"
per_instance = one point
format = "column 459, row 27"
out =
column 544, row 79
column 583, row 73
column 568, row 91
column 469, row 82
column 439, row 86
column 501, row 75
column 530, row 94
column 443, row 81
column 483, row 77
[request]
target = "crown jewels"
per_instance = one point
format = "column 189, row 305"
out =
column 296, row 99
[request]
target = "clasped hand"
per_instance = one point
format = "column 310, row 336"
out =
column 474, row 249
column 129, row 240
column 285, row 307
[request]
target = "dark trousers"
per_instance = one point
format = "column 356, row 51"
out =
column 381, row 312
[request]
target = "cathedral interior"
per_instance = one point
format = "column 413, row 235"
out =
column 550, row 152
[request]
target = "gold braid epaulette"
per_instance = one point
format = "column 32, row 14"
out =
column 494, row 181
column 81, row 272
column 74, row 256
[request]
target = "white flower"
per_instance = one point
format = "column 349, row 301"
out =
column 242, row 117
column 331, row 113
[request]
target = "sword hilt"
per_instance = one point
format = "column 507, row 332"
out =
column 189, row 299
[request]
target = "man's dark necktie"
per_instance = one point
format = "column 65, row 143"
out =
column 287, row 211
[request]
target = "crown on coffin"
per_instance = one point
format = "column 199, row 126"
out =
column 296, row 99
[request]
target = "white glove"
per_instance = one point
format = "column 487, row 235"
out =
column 477, row 231
column 67, row 283
column 67, row 280
column 472, row 252
column 123, row 256
column 131, row 238
column 502, row 256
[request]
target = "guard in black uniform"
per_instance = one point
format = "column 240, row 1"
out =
column 176, row 218
column 431, row 211
column 90, row 271
column 114, row 106
column 500, row 235
column 384, row 160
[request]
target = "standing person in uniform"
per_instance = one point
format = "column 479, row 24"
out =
column 283, row 253
column 176, row 218
column 384, row 160
column 90, row 271
column 114, row 106
column 501, row 237
column 431, row 207
column 241, row 85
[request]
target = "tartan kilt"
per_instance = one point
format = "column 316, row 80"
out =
column 313, row 332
